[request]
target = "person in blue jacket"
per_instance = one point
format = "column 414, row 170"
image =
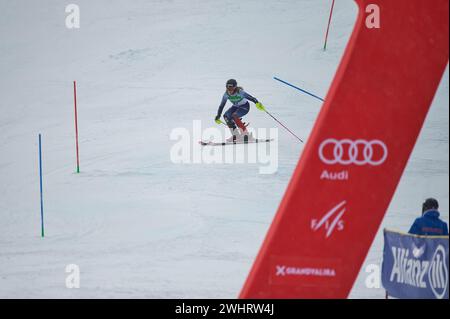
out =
column 429, row 224
column 233, row 116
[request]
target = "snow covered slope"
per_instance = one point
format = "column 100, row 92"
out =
column 138, row 225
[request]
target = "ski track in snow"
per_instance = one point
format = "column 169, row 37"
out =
column 138, row 225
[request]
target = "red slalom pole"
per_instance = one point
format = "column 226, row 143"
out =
column 328, row 27
column 76, row 123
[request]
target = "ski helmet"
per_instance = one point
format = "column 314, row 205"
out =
column 231, row 83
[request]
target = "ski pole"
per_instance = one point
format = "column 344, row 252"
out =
column 262, row 108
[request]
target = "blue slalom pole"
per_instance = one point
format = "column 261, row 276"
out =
column 40, row 183
column 295, row 87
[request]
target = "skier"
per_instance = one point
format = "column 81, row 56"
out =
column 233, row 116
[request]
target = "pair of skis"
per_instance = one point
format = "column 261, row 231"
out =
column 244, row 140
column 257, row 140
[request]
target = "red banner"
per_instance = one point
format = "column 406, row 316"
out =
column 356, row 153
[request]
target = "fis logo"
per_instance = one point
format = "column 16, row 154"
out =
column 331, row 221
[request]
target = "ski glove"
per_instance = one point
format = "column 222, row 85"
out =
column 217, row 119
column 260, row 107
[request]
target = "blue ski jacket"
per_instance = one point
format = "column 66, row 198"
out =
column 238, row 99
column 429, row 225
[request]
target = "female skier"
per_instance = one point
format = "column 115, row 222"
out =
column 233, row 116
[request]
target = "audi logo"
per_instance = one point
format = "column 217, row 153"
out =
column 359, row 152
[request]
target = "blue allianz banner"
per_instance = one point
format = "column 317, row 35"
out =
column 415, row 266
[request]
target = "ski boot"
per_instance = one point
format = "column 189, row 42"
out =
column 244, row 135
column 234, row 135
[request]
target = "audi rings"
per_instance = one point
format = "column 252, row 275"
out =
column 353, row 155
